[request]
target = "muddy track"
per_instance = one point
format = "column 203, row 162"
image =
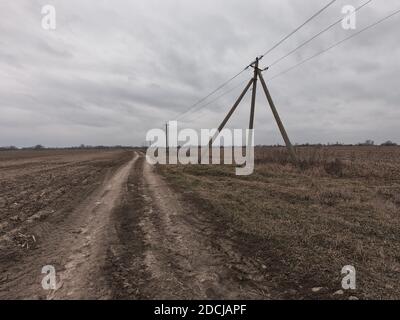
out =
column 134, row 238
column 170, row 251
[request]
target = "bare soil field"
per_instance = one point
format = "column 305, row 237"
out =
column 302, row 224
column 44, row 207
column 115, row 227
column 38, row 184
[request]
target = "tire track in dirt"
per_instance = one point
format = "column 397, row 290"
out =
column 84, row 276
column 76, row 245
column 135, row 238
column 179, row 256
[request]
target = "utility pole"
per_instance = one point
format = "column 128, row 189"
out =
column 166, row 144
column 278, row 119
column 254, row 95
column 230, row 113
column 253, row 81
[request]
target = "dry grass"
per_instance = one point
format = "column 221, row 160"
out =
column 340, row 206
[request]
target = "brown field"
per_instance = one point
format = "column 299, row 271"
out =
column 340, row 206
column 115, row 227
column 36, row 184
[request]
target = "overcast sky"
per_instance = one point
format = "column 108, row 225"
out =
column 114, row 69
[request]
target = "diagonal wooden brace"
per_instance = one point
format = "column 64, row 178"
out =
column 278, row 119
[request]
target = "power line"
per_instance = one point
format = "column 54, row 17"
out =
column 222, row 95
column 313, row 56
column 210, row 94
column 315, row 36
column 192, row 107
column 298, row 28
column 335, row 45
column 197, row 106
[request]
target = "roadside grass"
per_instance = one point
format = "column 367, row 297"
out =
column 306, row 222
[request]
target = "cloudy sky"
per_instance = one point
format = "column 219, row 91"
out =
column 113, row 69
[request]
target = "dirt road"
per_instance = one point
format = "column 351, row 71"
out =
column 132, row 238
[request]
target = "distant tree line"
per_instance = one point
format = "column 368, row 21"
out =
column 372, row 143
column 388, row 143
column 41, row 147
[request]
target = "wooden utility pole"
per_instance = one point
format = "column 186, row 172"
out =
column 166, row 144
column 253, row 96
column 278, row 119
column 222, row 125
column 253, row 81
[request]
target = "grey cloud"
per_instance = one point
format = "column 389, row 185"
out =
column 114, row 69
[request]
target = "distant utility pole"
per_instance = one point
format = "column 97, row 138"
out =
column 253, row 81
